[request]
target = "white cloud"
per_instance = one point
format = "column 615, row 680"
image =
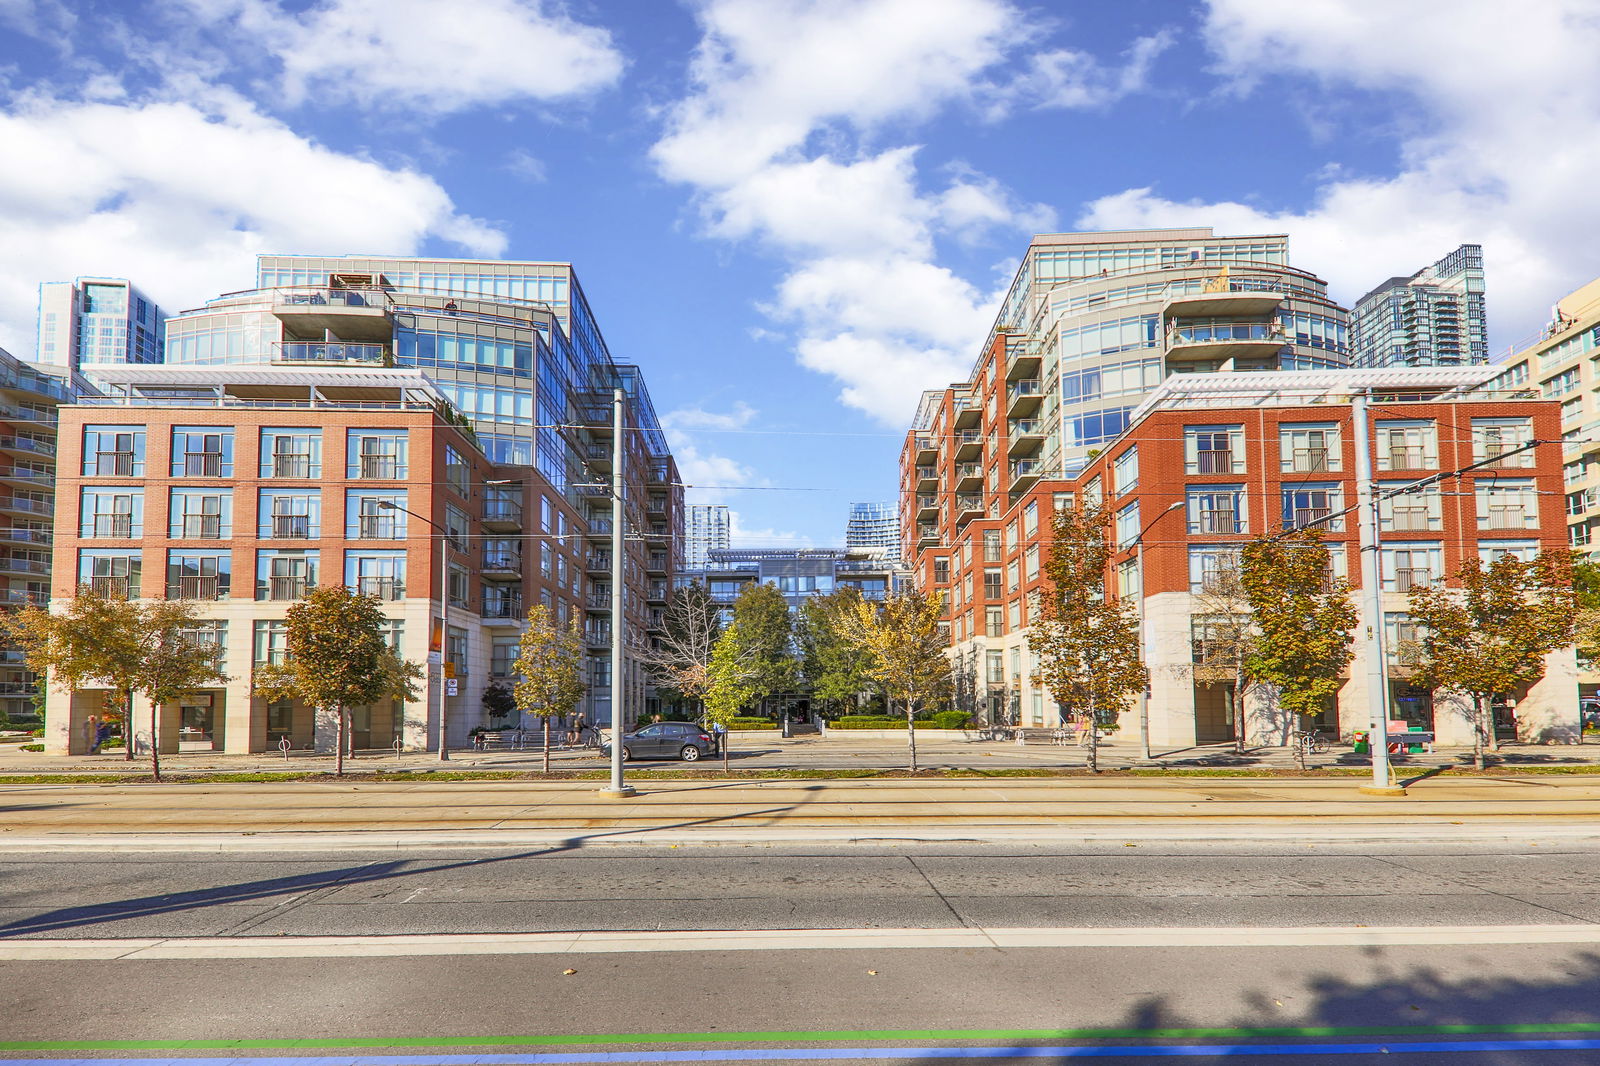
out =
column 180, row 194
column 742, row 536
column 699, row 418
column 1068, row 78
column 423, row 55
column 777, row 137
column 1499, row 104
column 50, row 20
column 527, row 166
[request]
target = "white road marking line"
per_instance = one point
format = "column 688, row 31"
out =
column 287, row 947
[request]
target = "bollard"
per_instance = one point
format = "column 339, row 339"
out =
column 284, row 746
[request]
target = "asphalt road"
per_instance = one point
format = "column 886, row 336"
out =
column 1459, row 997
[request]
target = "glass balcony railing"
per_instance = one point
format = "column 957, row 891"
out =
column 330, row 352
column 1204, row 333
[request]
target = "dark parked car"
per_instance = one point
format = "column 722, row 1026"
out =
column 666, row 740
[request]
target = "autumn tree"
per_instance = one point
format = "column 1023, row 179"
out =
column 730, row 683
column 765, row 633
column 680, row 661
column 124, row 644
column 905, row 649
column 1304, row 618
column 337, row 659
column 1087, row 643
column 1489, row 636
column 550, row 662
column 1225, row 638
column 833, row 666
column 498, row 700
column 1586, row 603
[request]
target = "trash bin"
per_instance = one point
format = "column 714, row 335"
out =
column 1361, row 747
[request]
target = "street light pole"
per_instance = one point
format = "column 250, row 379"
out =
column 444, row 621
column 1144, row 638
column 1371, row 554
column 617, row 787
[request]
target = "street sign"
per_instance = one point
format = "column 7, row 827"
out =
column 449, row 669
column 452, row 687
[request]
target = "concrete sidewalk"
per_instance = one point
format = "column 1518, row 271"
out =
column 297, row 815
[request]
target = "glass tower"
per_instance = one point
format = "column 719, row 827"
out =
column 98, row 321
column 1435, row 317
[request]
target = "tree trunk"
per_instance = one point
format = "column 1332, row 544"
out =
column 127, row 726
column 338, row 759
column 1238, row 714
column 1477, row 731
column 911, row 731
column 155, row 744
column 723, row 740
column 546, row 719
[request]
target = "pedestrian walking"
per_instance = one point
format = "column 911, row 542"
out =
column 91, row 734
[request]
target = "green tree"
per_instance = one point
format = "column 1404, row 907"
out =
column 905, row 649
column 1489, row 636
column 680, row 662
column 1586, row 601
column 731, row 686
column 1304, row 618
column 550, row 660
column 765, row 631
column 1087, row 643
column 832, row 665
column 126, row 645
column 499, row 701
column 337, row 659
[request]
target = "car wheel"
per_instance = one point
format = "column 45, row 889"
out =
column 690, row 753
column 626, row 755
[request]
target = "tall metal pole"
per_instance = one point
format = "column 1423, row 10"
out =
column 444, row 649
column 617, row 787
column 1372, row 603
column 1144, row 639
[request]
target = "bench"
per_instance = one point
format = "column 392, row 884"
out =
column 516, row 740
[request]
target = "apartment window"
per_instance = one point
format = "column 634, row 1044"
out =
column 376, row 454
column 1128, row 579
column 994, row 621
column 370, row 515
column 289, row 514
column 1402, row 639
column 1408, row 445
column 1307, row 504
column 285, row 573
column 1496, row 437
column 1309, row 448
column 1213, row 449
column 1572, row 410
column 1063, row 501
column 200, row 514
column 502, row 504
column 1410, row 566
column 202, row 451
column 1030, row 518
column 111, row 513
column 1416, row 511
column 1128, row 525
column 1092, row 494
column 1125, row 471
column 110, row 573
column 457, row 473
column 198, row 575
column 1214, row 569
column 941, row 571
column 209, row 633
column 1521, row 550
column 1013, row 572
column 393, row 631
column 1507, row 504
column 503, row 653
column 376, row 573
column 291, row 453
column 994, row 667
column 457, row 526
column 1579, row 502
column 992, row 588
column 456, row 650
column 992, row 548
column 1030, row 563
column 1578, row 536
column 113, row 451
column 460, row 589
column 502, row 553
column 1575, row 472
column 271, row 643
column 1216, row 509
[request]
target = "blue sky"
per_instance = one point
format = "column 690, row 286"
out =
column 796, row 214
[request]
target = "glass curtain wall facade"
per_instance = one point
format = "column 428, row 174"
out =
column 709, row 526
column 874, row 526
column 1435, row 317
column 98, row 321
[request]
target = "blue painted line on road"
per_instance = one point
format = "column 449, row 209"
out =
column 1022, row 1051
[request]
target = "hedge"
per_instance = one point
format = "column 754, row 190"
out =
column 752, row 723
column 943, row 720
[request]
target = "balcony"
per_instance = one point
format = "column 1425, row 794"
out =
column 332, row 352
column 927, row 479
column 40, row 478
column 1023, row 397
column 380, row 467
column 377, row 527
column 967, row 509
column 1495, row 455
column 599, row 601
column 287, row 587
column 927, row 451
column 111, row 588
column 1220, row 582
column 1224, row 340
column 1507, row 516
column 384, row 588
column 503, row 609
column 969, row 446
column 1227, row 304
column 113, row 464
column 502, row 516
column 202, row 527
column 1413, row 577
column 598, row 457
column 197, row 587
column 18, row 565
column 291, row 527
column 13, row 535
column 1216, row 521
column 1024, row 473
column 112, row 526
column 23, row 505
column 968, row 411
column 202, row 464
column 1310, row 461
column 656, row 563
column 1027, row 437
column 1404, row 457
column 1305, row 516
column 1022, row 365
column 927, row 508
column 356, row 315
column 1214, row 461
column 969, row 477
column 291, row 465
column 1410, row 519
column 502, row 566
column 597, row 563
column 927, row 536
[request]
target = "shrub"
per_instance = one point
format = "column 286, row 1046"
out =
column 952, row 719
column 874, row 721
column 751, row 723
column 33, row 747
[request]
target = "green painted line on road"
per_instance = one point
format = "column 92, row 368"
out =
column 794, row 1035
